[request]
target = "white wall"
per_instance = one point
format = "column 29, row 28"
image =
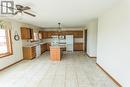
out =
column 17, row 48
column 92, row 27
column 113, row 50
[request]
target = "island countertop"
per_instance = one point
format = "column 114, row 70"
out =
column 58, row 46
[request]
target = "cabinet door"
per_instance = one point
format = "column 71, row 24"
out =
column 44, row 34
column 78, row 46
column 78, row 34
column 48, row 47
column 49, row 33
column 54, row 33
column 25, row 33
column 75, row 34
column 69, row 32
column 29, row 52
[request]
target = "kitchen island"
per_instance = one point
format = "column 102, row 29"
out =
column 56, row 52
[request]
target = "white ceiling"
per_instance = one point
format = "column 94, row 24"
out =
column 71, row 13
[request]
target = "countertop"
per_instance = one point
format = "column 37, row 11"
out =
column 58, row 46
column 32, row 45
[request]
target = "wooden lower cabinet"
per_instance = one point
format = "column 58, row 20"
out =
column 55, row 53
column 43, row 48
column 29, row 52
column 78, row 46
column 48, row 46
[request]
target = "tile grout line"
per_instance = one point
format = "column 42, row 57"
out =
column 54, row 76
column 43, row 76
column 77, row 81
column 65, row 76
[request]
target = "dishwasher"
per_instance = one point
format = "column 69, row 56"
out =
column 38, row 51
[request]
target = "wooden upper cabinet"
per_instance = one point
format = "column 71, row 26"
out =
column 54, row 33
column 78, row 34
column 26, row 33
column 43, row 36
column 49, row 34
column 69, row 32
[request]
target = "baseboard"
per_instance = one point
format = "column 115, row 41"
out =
column 91, row 56
column 116, row 82
column 11, row 65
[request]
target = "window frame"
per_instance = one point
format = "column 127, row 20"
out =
column 9, row 45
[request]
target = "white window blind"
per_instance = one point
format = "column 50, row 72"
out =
column 3, row 42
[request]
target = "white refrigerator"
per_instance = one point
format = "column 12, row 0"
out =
column 69, row 43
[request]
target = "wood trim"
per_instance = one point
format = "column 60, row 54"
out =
column 115, row 81
column 5, row 55
column 9, row 45
column 91, row 56
column 11, row 65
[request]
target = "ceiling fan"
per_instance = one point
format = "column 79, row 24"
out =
column 20, row 9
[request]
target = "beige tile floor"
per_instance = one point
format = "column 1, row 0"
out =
column 74, row 70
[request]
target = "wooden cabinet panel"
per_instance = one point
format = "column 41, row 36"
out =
column 29, row 52
column 78, row 46
column 53, row 33
column 45, row 35
column 43, row 48
column 48, row 46
column 78, row 34
column 48, row 34
column 25, row 33
column 69, row 32
column 55, row 53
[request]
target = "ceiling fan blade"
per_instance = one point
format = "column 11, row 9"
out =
column 26, row 8
column 30, row 14
column 19, row 7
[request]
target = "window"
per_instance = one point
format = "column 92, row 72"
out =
column 5, row 43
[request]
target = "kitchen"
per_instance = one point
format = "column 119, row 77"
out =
column 36, row 42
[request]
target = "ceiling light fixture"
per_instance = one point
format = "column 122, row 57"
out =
column 59, row 27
